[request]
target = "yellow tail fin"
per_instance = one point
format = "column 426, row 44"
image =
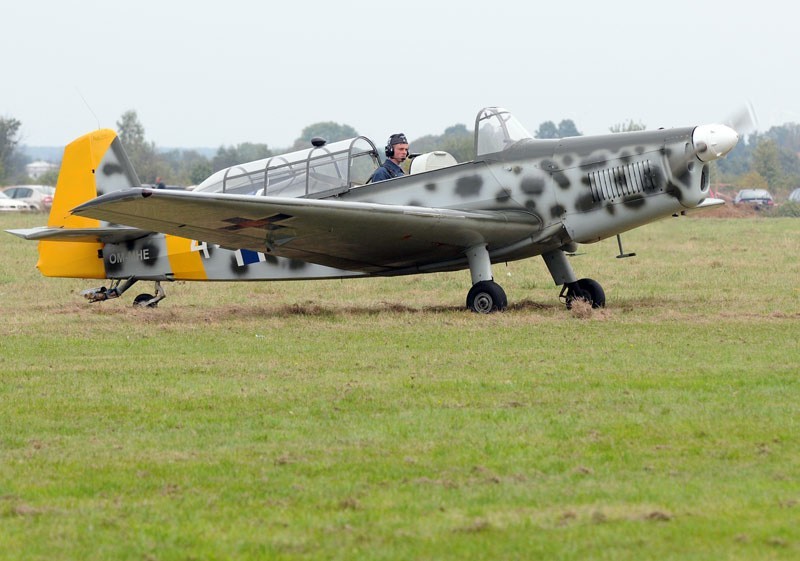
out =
column 92, row 165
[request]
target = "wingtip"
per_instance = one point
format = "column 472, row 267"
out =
column 131, row 193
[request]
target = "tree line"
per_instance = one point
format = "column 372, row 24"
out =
column 766, row 160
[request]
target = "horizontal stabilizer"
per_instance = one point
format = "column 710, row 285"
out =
column 110, row 234
column 71, row 246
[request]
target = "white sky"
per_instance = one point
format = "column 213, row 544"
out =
column 203, row 73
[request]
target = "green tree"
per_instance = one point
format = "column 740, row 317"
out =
column 549, row 130
column 142, row 153
column 48, row 178
column 546, row 130
column 249, row 151
column 630, row 126
column 751, row 180
column 9, row 139
column 228, row 156
column 786, row 136
column 567, row 128
column 184, row 165
column 737, row 162
column 328, row 130
column 457, row 140
column 766, row 162
column 773, row 155
column 225, row 157
column 130, row 130
column 199, row 170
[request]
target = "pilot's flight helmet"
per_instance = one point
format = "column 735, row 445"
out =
column 398, row 138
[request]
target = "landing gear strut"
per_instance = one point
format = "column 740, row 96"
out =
column 573, row 288
column 118, row 287
column 485, row 296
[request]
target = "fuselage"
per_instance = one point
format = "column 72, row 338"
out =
column 573, row 190
column 580, row 189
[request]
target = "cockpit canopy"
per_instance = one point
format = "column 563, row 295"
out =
column 316, row 171
column 334, row 168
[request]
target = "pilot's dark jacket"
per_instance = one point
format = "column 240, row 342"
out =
column 388, row 170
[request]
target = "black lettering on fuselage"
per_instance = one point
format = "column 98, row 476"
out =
column 123, row 256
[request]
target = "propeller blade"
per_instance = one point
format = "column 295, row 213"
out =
column 743, row 120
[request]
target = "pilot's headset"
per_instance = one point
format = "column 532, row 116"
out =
column 398, row 138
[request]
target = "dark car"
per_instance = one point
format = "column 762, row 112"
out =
column 755, row 197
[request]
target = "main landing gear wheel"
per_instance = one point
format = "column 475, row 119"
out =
column 141, row 301
column 145, row 300
column 585, row 289
column 485, row 297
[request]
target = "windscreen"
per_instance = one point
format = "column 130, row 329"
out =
column 495, row 130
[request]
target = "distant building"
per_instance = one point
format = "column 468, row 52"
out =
column 37, row 169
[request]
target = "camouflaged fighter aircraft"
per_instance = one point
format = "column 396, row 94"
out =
column 312, row 214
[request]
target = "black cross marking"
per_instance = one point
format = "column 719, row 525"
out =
column 268, row 223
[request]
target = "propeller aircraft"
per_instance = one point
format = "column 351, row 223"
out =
column 313, row 214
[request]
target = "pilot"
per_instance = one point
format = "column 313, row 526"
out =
column 396, row 153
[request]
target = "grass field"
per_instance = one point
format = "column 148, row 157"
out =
column 377, row 419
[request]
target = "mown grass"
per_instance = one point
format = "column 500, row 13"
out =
column 376, row 419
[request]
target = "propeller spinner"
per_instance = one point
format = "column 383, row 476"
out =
column 713, row 141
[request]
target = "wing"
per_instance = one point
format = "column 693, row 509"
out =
column 357, row 236
column 111, row 234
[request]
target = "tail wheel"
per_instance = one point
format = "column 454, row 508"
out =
column 485, row 297
column 589, row 290
column 141, row 301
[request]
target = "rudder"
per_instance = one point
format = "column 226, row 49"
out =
column 93, row 164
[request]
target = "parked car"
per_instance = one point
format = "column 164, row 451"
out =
column 38, row 196
column 795, row 196
column 756, row 197
column 8, row 204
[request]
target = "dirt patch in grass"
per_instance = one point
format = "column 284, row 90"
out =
column 530, row 305
column 658, row 516
column 581, row 309
column 476, row 526
column 728, row 210
column 23, row 510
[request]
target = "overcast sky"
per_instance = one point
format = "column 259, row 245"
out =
column 204, row 74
